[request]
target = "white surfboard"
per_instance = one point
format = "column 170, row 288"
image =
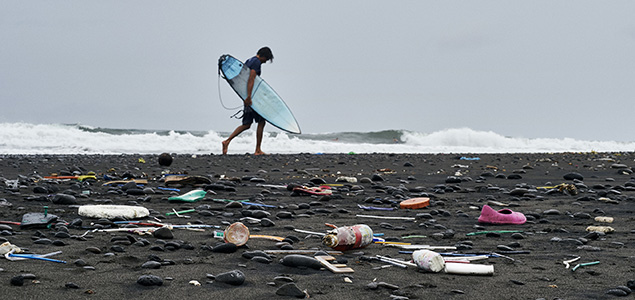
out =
column 265, row 101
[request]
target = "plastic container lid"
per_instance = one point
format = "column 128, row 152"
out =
column 415, row 203
column 236, row 233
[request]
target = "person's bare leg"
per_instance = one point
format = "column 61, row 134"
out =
column 234, row 134
column 259, row 132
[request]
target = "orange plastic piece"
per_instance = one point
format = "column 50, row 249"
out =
column 415, row 203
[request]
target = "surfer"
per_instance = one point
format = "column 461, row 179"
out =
column 249, row 115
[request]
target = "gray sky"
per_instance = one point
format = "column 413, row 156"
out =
column 519, row 68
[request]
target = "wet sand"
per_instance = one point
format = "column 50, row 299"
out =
column 458, row 188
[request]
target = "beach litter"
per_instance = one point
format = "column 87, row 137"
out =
column 604, row 229
column 335, row 268
column 113, row 211
column 604, row 219
column 348, row 237
column 178, row 213
column 386, row 217
column 567, row 262
column 415, row 203
column 453, row 210
column 191, row 196
column 503, row 216
column 22, row 256
column 584, row 265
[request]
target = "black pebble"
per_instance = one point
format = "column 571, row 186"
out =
column 71, row 285
column 225, row 248
column 17, row 280
column 234, row 277
column 150, row 280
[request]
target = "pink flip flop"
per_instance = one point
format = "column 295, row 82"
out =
column 503, row 216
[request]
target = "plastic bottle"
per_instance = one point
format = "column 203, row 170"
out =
column 349, row 237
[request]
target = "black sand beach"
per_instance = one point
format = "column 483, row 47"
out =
column 107, row 265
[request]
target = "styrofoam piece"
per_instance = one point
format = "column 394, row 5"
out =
column 113, row 211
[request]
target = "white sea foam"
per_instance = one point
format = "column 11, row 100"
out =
column 23, row 138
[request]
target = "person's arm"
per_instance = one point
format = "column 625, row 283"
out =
column 250, row 86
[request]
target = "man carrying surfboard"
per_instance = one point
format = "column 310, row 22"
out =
column 263, row 55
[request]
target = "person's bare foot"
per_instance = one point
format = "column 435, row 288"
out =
column 260, row 153
column 225, row 146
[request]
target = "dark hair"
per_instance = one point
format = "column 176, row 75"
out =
column 266, row 53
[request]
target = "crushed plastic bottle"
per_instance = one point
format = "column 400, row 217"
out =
column 349, row 237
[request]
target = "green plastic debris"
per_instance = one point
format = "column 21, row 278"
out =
column 191, row 196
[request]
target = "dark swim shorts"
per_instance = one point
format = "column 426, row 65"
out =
column 250, row 116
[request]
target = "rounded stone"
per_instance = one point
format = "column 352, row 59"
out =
column 150, row 280
column 234, row 277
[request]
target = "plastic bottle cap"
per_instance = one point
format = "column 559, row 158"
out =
column 415, row 203
column 330, row 240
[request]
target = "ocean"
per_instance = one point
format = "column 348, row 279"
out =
column 25, row 138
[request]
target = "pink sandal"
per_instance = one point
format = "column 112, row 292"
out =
column 503, row 216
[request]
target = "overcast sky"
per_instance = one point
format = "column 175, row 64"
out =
column 519, row 68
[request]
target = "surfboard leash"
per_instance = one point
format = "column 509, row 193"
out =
column 220, row 97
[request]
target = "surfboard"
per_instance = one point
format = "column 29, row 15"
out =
column 265, row 101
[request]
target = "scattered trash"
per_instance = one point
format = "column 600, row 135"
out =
column 236, row 233
column 604, row 219
column 7, row 247
column 418, row 247
column 348, row 237
column 469, row 158
column 413, row 236
column 469, row 269
column 335, row 268
column 309, row 232
column 584, row 265
column 178, row 215
column 493, row 231
column 375, row 208
column 113, row 211
column 194, row 283
column 37, row 220
column 245, row 202
column 76, row 177
column 13, row 257
column 386, row 218
column 266, row 237
column 320, row 191
column 503, row 216
column 121, row 182
column 429, row 261
column 562, row 188
column 191, row 196
column 180, row 212
column 567, row 262
column 346, row 179
column 168, row 189
column 302, row 251
column 415, row 203
column 395, row 262
column 608, row 200
column 605, row 229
